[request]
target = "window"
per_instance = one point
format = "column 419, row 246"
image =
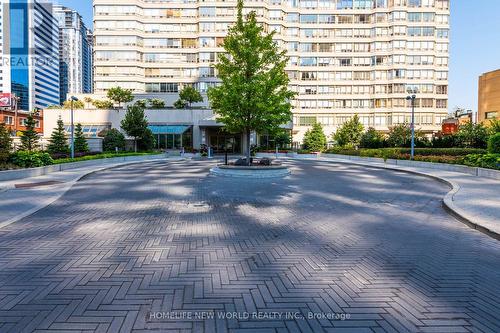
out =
column 307, row 120
column 8, row 120
column 491, row 115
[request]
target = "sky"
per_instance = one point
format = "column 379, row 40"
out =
column 475, row 44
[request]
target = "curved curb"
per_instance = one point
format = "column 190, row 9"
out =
column 68, row 187
column 245, row 173
column 447, row 202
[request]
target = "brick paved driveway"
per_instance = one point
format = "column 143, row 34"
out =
column 157, row 246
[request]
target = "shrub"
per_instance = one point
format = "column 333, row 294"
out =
column 113, row 139
column 372, row 139
column 350, row 133
column 25, row 159
column 315, row 139
column 76, row 105
column 102, row 104
column 444, row 141
column 157, row 103
column 472, row 136
column 491, row 161
column 147, row 142
column 494, row 144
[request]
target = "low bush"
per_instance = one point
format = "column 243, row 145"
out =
column 25, row 159
column 490, row 161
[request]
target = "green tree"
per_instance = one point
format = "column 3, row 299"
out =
column 400, row 136
column 81, row 145
column 494, row 126
column 76, row 105
column 135, row 123
column 105, row 104
column 120, row 95
column 315, row 138
column 253, row 94
column 147, row 141
column 30, row 140
column 282, row 138
column 58, row 143
column 494, row 144
column 372, row 139
column 349, row 134
column 5, row 144
column 180, row 104
column 113, row 139
column 188, row 95
column 472, row 135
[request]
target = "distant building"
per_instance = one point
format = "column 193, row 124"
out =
column 29, row 49
column 75, row 53
column 489, row 96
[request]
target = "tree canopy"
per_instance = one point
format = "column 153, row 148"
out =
column 120, row 95
column 135, row 123
column 188, row 96
column 81, row 145
column 58, row 144
column 253, row 94
column 315, row 138
column 350, row 133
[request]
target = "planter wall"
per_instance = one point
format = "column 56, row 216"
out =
column 34, row 172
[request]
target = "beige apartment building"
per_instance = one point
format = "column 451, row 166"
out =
column 346, row 56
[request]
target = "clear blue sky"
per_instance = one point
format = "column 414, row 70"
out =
column 475, row 44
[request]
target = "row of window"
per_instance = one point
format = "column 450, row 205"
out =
column 367, row 75
column 230, row 11
column 370, row 103
column 9, row 120
column 370, row 120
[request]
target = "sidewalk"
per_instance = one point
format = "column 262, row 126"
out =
column 22, row 197
column 473, row 200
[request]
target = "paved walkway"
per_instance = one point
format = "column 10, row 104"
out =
column 332, row 248
column 21, row 197
column 475, row 199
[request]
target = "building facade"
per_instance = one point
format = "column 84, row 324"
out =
column 30, row 60
column 346, row 56
column 489, row 96
column 75, row 53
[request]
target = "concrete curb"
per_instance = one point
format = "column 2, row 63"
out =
column 69, row 185
column 447, row 201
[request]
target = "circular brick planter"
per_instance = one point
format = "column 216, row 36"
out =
column 273, row 171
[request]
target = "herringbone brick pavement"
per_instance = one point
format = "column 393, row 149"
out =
column 166, row 248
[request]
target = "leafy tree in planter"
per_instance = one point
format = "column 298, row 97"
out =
column 58, row 143
column 76, row 105
column 188, row 96
column 135, row 123
column 5, row 143
column 89, row 101
column 350, row 133
column 102, row 104
column 253, row 94
column 30, row 140
column 141, row 103
column 315, row 138
column 180, row 104
column 157, row 103
column 113, row 139
column 372, row 139
column 120, row 95
column 81, row 145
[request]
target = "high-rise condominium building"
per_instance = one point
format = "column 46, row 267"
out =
column 30, row 61
column 75, row 53
column 346, row 56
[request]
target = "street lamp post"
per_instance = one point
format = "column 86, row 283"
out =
column 412, row 98
column 73, row 99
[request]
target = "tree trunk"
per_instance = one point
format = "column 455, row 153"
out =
column 135, row 145
column 248, row 133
